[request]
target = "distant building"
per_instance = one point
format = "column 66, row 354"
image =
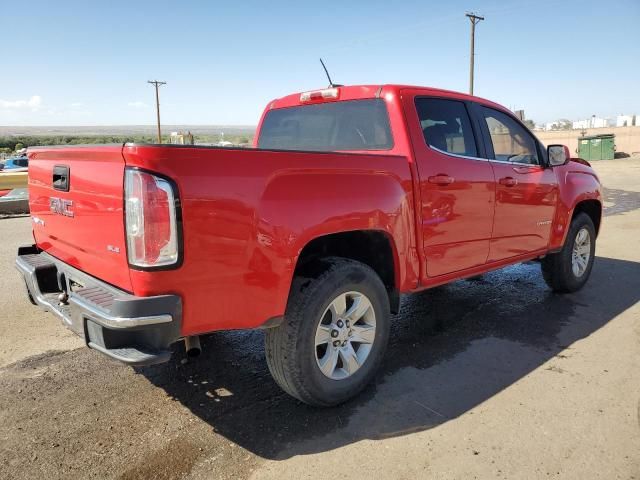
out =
column 597, row 122
column 180, row 138
column 591, row 122
column 624, row 120
column 627, row 120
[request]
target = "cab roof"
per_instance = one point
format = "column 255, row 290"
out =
column 360, row 92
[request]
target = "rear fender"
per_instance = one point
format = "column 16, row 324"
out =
column 300, row 205
column 247, row 214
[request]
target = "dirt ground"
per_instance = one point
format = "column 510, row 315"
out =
column 489, row 378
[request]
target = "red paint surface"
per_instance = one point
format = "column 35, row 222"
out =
column 523, row 208
column 96, row 191
column 455, row 218
column 247, row 213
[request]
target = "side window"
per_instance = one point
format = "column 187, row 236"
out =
column 446, row 126
column 511, row 141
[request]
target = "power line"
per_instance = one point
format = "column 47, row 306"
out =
column 157, row 84
column 474, row 20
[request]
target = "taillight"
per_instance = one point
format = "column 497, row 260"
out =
column 150, row 218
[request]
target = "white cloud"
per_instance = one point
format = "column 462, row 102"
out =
column 76, row 104
column 137, row 104
column 34, row 103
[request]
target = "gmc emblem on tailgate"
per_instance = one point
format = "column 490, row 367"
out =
column 61, row 206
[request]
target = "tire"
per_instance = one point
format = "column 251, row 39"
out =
column 558, row 268
column 293, row 355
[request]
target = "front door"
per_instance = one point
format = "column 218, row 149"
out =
column 456, row 184
column 526, row 190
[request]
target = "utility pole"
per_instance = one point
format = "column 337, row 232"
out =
column 157, row 84
column 474, row 19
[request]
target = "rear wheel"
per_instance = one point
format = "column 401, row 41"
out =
column 569, row 269
column 334, row 335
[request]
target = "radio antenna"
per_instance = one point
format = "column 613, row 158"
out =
column 331, row 84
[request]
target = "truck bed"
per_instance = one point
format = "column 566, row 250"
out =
column 246, row 214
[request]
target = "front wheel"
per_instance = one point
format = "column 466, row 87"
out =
column 569, row 269
column 334, row 335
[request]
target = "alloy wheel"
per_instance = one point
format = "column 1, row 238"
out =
column 345, row 335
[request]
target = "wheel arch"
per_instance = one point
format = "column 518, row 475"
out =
column 374, row 248
column 593, row 208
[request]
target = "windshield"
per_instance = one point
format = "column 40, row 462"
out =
column 352, row 125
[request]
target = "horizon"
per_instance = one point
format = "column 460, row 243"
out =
column 530, row 55
column 149, row 125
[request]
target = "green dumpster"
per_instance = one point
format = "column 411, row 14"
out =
column 597, row 147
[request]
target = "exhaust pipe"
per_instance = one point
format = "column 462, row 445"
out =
column 192, row 346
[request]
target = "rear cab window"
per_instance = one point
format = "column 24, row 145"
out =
column 446, row 126
column 354, row 125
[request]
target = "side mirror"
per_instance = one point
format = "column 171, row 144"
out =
column 558, row 155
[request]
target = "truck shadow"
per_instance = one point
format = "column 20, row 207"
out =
column 451, row 349
column 620, row 201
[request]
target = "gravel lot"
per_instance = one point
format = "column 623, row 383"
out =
column 489, row 378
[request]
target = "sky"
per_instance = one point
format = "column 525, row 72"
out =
column 87, row 63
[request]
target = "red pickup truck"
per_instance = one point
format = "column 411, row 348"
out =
column 352, row 196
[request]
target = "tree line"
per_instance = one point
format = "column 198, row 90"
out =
column 18, row 142
column 13, row 143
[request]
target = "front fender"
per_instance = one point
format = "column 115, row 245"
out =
column 577, row 183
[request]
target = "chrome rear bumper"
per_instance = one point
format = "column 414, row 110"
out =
column 134, row 330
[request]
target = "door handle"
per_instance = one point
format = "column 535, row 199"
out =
column 527, row 169
column 441, row 179
column 60, row 180
column 508, row 181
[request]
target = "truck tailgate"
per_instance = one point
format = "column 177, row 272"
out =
column 80, row 221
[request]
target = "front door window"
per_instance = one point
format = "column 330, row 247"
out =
column 511, row 141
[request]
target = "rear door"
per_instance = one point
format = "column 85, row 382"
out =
column 456, row 184
column 76, row 202
column 526, row 190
